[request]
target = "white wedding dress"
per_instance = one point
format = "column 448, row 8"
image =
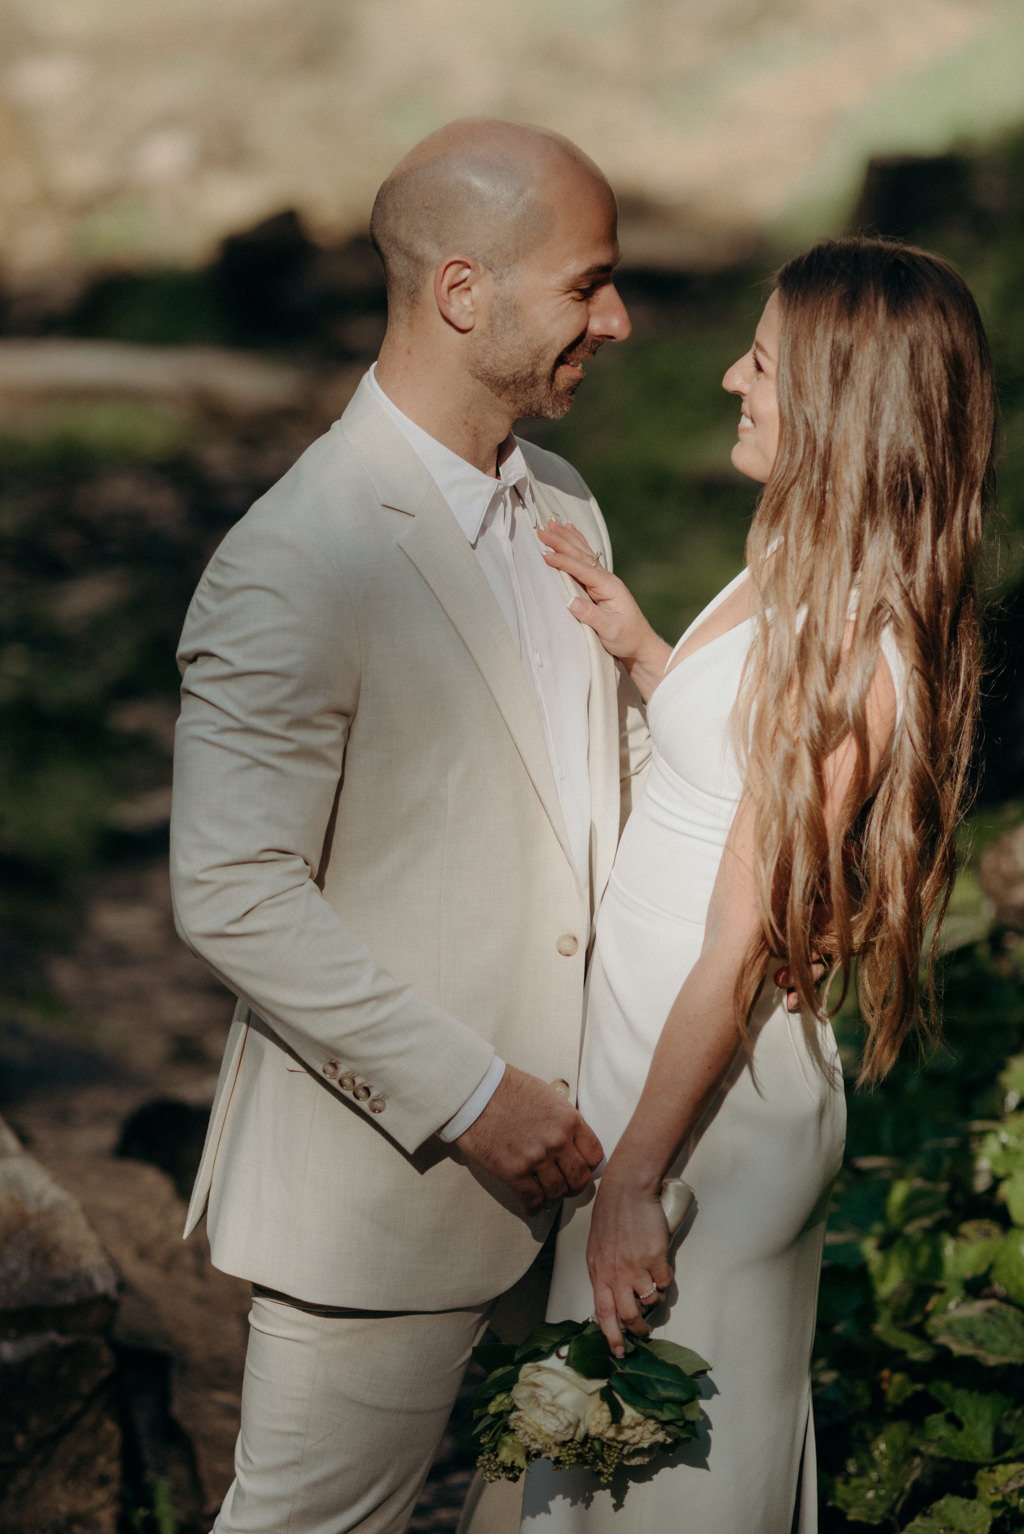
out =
column 761, row 1163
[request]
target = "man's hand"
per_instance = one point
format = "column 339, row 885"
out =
column 532, row 1139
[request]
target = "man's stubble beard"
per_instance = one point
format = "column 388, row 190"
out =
column 521, row 374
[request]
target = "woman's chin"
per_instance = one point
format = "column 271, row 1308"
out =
column 747, row 460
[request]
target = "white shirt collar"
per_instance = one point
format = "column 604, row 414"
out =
column 468, row 490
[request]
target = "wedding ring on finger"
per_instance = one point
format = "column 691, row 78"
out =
column 649, row 1294
column 596, row 560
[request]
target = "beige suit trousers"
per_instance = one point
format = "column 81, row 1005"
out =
column 342, row 1416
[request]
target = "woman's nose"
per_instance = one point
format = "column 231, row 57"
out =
column 734, row 380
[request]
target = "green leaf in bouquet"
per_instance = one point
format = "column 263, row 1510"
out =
column 971, row 1251
column 878, row 1476
column 1008, row 1268
column 493, row 1355
column 589, row 1353
column 494, row 1388
column 511, row 1454
column 1013, row 1194
column 1001, row 1487
column 546, row 1339
column 972, row 1427
column 659, row 1379
column 488, row 1431
column 674, row 1353
column 679, row 1419
column 665, row 1409
column 952, row 1515
column 685, row 1425
column 913, row 1204
column 613, row 1403
column 988, row 1330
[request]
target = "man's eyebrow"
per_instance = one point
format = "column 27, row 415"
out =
column 601, row 269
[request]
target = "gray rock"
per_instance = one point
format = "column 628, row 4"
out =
column 50, row 1256
column 60, row 1438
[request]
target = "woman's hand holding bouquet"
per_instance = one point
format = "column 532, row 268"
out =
column 564, row 1395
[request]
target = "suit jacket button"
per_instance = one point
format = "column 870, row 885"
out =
column 347, row 1081
column 362, row 1092
column 378, row 1104
column 330, row 1069
column 561, row 1087
column 567, row 945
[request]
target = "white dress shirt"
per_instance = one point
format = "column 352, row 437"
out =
column 499, row 518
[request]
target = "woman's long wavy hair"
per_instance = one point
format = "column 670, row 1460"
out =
column 874, row 509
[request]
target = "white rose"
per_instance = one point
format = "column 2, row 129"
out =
column 633, row 1431
column 551, row 1404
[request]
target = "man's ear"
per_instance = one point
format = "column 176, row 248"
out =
column 459, row 289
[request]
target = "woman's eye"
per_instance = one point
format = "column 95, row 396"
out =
column 757, row 363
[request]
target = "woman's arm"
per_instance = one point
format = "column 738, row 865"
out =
column 628, row 1248
column 608, row 608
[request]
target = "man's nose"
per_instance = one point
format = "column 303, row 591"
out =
column 610, row 319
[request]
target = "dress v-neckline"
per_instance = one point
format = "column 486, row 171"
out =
column 676, row 660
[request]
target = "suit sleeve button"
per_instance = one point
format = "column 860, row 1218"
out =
column 362, row 1092
column 347, row 1081
column 378, row 1104
column 330, row 1069
column 561, row 1087
column 567, row 945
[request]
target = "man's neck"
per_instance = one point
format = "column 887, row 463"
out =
column 456, row 412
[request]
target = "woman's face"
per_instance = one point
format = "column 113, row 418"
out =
column 753, row 378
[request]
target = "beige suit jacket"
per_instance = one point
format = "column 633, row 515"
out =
column 367, row 847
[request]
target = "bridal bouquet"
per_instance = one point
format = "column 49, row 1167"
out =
column 562, row 1394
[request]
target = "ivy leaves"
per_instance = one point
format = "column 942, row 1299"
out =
column 921, row 1334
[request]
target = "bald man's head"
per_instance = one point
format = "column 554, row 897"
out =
column 481, row 188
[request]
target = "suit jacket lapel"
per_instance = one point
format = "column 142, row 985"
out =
column 431, row 538
column 603, row 748
column 605, row 767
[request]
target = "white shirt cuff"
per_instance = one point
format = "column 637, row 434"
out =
column 474, row 1105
